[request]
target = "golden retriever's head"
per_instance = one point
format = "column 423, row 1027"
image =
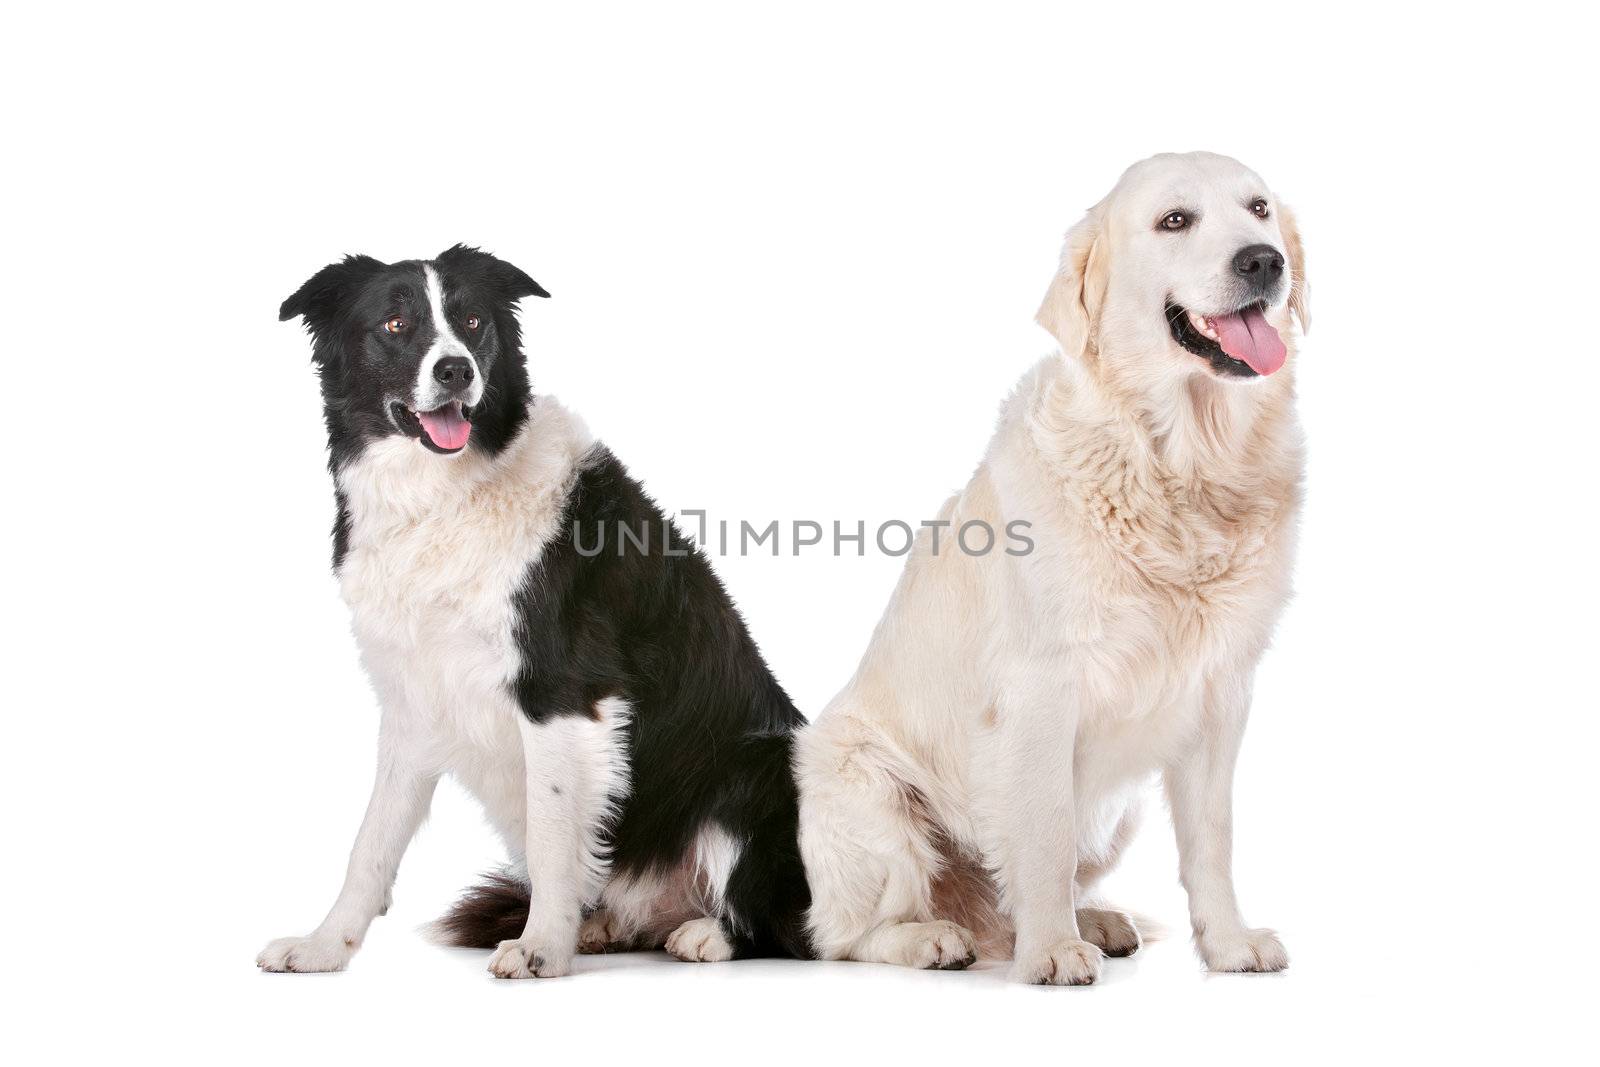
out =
column 1190, row 266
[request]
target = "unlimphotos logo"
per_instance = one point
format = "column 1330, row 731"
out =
column 895, row 537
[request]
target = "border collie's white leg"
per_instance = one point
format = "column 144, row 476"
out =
column 1200, row 790
column 401, row 793
column 1041, row 861
column 576, row 768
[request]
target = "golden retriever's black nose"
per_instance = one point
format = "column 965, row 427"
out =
column 1260, row 265
column 453, row 372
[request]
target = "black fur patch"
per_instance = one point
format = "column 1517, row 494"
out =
column 711, row 727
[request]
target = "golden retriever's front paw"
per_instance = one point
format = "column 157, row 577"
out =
column 939, row 945
column 1068, row 963
column 1243, row 950
column 306, row 955
column 525, row 959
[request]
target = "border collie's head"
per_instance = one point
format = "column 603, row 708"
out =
column 429, row 349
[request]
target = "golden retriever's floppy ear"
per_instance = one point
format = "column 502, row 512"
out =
column 1299, row 283
column 1072, row 303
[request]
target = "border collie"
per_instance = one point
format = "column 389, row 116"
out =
column 605, row 704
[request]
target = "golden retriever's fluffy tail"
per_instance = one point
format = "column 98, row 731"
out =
column 1150, row 928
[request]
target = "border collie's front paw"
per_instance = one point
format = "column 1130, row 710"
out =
column 525, row 959
column 1069, row 963
column 306, row 955
column 1243, row 950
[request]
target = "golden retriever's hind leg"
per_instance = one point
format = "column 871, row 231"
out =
column 939, row 945
column 868, row 853
column 1113, row 932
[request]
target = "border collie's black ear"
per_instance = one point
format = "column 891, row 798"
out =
column 320, row 298
column 511, row 281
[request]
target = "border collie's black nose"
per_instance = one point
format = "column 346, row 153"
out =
column 454, row 373
column 1260, row 265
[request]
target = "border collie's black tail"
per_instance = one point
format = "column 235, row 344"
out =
column 484, row 915
column 767, row 894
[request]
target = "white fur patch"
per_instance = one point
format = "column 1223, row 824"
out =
column 438, row 546
column 716, row 853
column 429, row 393
column 584, row 778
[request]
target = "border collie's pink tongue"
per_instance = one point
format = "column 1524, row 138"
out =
column 1247, row 336
column 445, row 426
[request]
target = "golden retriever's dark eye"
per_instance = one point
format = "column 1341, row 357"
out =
column 1259, row 207
column 396, row 325
column 1174, row 220
column 472, row 322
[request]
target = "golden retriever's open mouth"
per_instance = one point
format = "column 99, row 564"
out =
column 1239, row 344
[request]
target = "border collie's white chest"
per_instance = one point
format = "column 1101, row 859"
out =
column 439, row 547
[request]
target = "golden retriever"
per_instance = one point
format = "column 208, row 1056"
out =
column 977, row 776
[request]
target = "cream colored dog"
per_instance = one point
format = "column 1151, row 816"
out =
column 977, row 776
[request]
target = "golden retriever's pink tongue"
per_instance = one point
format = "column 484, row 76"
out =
column 1248, row 337
column 445, row 426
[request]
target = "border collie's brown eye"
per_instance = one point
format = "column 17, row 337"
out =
column 472, row 322
column 1174, row 220
column 1259, row 207
column 395, row 325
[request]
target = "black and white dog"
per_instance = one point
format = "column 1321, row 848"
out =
column 533, row 625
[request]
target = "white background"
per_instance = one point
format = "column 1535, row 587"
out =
column 795, row 256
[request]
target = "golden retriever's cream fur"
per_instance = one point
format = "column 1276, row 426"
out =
column 975, row 778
